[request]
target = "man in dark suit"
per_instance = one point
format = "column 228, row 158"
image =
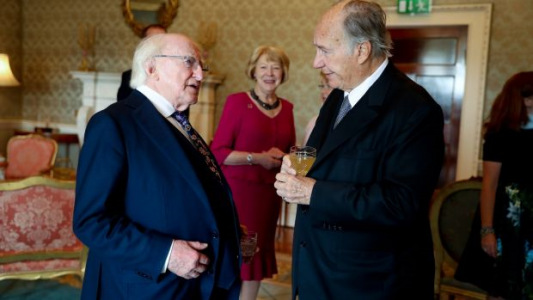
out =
column 362, row 229
column 151, row 203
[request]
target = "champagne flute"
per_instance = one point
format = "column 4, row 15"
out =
column 302, row 158
column 248, row 246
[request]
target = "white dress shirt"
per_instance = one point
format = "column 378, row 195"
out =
column 359, row 91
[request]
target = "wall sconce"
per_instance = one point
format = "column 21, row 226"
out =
column 6, row 76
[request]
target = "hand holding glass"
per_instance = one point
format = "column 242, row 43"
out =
column 302, row 158
column 248, row 246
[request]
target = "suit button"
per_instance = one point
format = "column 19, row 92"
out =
column 214, row 235
column 303, row 244
column 304, row 210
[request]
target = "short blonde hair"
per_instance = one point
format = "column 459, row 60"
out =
column 273, row 54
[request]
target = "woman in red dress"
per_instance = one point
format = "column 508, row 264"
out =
column 256, row 129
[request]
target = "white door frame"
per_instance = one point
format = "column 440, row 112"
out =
column 477, row 17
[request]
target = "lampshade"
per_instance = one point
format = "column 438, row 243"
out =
column 6, row 76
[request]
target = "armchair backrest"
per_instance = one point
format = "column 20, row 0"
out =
column 29, row 155
column 451, row 215
column 36, row 236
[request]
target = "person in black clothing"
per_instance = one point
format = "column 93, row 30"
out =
column 499, row 255
column 362, row 229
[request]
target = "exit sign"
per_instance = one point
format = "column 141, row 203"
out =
column 414, row 6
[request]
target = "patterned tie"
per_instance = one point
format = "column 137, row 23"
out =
column 345, row 108
column 198, row 143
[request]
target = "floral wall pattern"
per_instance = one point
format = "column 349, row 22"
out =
column 47, row 32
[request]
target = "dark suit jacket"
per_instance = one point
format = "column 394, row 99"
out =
column 366, row 234
column 141, row 184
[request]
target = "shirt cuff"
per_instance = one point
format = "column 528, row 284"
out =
column 165, row 266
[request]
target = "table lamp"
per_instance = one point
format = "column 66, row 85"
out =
column 6, row 76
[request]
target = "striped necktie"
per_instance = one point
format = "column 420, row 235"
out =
column 345, row 108
column 198, row 143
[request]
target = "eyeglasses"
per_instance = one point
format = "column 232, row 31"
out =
column 190, row 61
column 323, row 86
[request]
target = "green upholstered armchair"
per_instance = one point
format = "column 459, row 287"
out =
column 451, row 214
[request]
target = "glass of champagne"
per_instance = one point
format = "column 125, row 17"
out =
column 302, row 158
column 248, row 246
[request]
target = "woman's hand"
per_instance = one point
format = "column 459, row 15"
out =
column 489, row 244
column 270, row 159
column 275, row 153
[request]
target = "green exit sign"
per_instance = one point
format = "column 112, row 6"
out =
column 414, row 6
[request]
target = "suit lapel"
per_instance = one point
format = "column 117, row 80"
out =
column 160, row 133
column 356, row 120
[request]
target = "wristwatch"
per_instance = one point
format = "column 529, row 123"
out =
column 249, row 158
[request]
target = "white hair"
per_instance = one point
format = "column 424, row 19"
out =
column 144, row 53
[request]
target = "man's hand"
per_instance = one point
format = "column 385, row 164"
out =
column 293, row 188
column 186, row 260
column 244, row 229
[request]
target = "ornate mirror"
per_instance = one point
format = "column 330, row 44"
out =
column 140, row 13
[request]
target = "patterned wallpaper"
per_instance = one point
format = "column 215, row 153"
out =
column 243, row 25
column 511, row 45
column 10, row 44
column 49, row 50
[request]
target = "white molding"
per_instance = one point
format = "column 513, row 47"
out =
column 478, row 19
column 99, row 91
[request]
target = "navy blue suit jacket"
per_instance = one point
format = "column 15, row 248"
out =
column 141, row 184
column 366, row 234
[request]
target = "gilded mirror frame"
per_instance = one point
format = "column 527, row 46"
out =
column 165, row 15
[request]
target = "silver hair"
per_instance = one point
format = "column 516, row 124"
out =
column 144, row 53
column 366, row 21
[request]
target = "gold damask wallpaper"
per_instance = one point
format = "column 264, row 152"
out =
column 10, row 43
column 41, row 39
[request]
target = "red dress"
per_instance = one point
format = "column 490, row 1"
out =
column 244, row 127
